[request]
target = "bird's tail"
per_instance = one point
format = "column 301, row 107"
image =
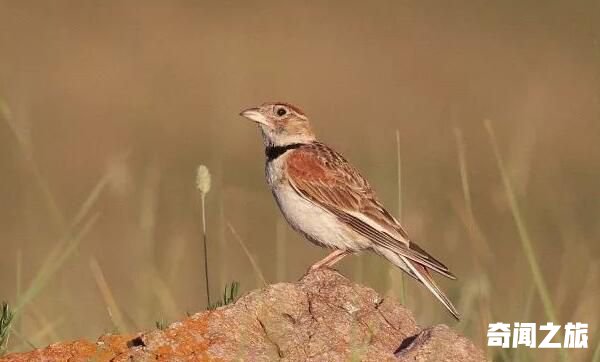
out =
column 420, row 273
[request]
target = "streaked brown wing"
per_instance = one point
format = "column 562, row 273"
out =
column 323, row 176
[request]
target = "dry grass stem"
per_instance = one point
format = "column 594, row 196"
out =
column 253, row 262
column 107, row 295
column 203, row 183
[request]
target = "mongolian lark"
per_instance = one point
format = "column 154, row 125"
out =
column 325, row 198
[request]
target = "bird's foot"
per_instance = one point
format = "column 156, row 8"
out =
column 330, row 260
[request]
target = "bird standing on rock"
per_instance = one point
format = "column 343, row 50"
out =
column 323, row 197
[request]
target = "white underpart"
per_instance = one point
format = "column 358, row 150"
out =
column 308, row 218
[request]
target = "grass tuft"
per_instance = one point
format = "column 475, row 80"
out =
column 230, row 295
column 161, row 324
column 6, row 318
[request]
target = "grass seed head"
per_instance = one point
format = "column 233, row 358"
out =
column 203, row 179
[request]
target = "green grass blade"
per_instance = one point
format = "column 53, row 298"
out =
column 45, row 333
column 6, row 319
column 90, row 201
column 479, row 242
column 464, row 175
column 524, row 237
column 230, row 295
column 25, row 147
column 65, row 246
column 25, row 342
column 53, row 263
column 596, row 356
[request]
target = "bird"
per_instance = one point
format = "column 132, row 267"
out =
column 326, row 199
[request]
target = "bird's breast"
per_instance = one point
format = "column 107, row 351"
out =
column 275, row 171
column 315, row 223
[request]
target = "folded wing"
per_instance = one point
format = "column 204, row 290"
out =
column 323, row 176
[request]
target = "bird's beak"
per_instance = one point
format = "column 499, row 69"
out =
column 254, row 115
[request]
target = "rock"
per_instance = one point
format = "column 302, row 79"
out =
column 323, row 317
column 439, row 344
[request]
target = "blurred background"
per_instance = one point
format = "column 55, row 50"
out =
column 108, row 108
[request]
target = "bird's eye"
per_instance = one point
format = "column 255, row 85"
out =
column 281, row 111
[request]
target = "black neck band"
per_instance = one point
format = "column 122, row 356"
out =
column 272, row 152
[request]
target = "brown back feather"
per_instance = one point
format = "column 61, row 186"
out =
column 323, row 176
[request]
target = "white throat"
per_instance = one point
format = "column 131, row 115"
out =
column 270, row 138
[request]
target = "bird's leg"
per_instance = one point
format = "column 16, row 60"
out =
column 341, row 256
column 330, row 259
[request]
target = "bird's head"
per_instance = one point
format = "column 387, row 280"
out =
column 281, row 124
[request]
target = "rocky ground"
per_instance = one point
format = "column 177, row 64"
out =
column 322, row 317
